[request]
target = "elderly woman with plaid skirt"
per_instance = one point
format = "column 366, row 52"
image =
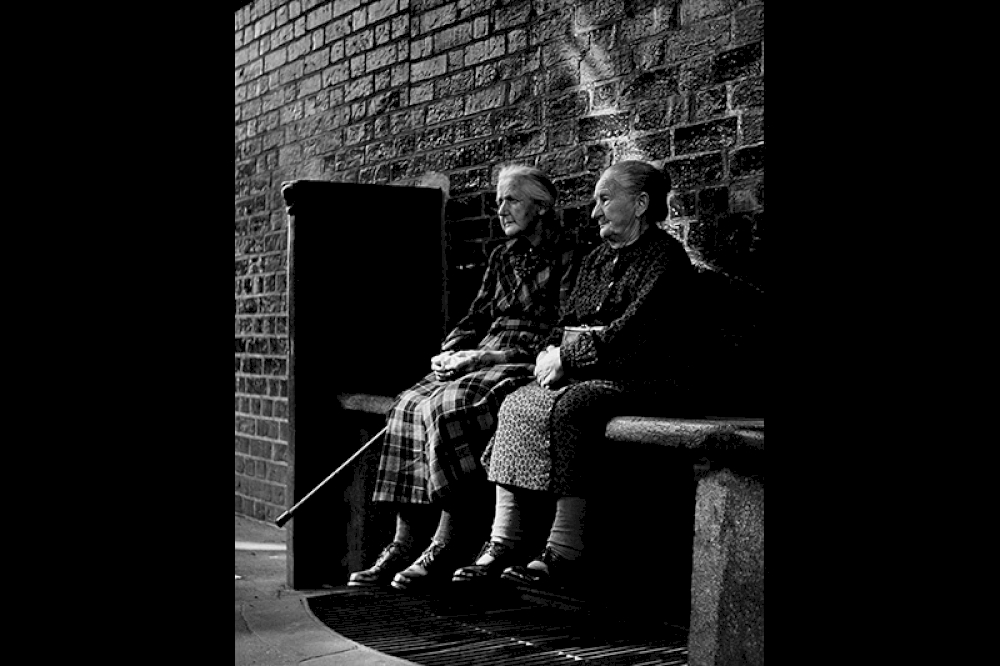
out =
column 625, row 350
column 438, row 429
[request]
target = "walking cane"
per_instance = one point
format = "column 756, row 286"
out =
column 283, row 518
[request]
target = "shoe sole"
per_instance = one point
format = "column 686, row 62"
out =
column 359, row 583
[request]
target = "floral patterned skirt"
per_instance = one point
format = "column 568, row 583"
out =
column 547, row 439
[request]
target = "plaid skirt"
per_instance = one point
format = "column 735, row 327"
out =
column 437, row 430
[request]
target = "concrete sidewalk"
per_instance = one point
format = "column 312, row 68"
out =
column 274, row 626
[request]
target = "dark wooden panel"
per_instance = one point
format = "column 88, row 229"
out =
column 367, row 303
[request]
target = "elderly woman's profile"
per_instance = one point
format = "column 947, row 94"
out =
column 611, row 352
column 438, row 429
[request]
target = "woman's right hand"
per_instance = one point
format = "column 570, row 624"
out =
column 441, row 365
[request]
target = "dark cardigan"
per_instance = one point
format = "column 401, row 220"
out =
column 639, row 292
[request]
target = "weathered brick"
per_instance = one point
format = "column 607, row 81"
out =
column 570, row 105
column 689, row 172
column 486, row 49
column 748, row 24
column 517, row 40
column 431, row 67
column 748, row 93
column 337, row 29
column 746, row 195
column 467, row 8
column 317, row 60
column 310, row 85
column 702, row 38
column 359, row 43
column 654, row 85
column 386, row 101
column 357, row 65
column 264, row 25
column 594, row 128
column 477, row 127
column 557, row 26
column 359, row 18
column 319, row 16
column 575, row 189
column 383, row 33
column 519, row 64
column 457, row 35
column 380, row 57
column 480, row 26
column 530, row 87
column 341, row 7
column 359, row 88
column 282, row 36
column 473, row 180
column 486, row 75
column 291, row 113
column 713, row 202
column 692, row 11
column 513, row 118
column 382, row 80
column 438, row 18
column 653, row 146
column 512, row 14
column 669, row 112
column 421, row 93
column 752, row 128
column 336, row 74
column 444, row 110
column 381, row 9
column 275, row 59
column 747, row 161
column 399, row 74
column 490, row 98
column 708, row 103
column 594, row 13
column 738, row 62
column 400, row 27
column 288, row 74
column 570, row 160
column 455, row 84
column 243, row 56
column 707, row 136
column 560, row 78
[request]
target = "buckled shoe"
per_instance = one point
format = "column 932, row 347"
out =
column 502, row 557
column 393, row 558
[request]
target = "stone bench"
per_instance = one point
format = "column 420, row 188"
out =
column 727, row 561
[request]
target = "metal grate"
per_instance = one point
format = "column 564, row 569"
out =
column 494, row 629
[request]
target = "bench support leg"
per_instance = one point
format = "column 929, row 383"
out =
column 727, row 582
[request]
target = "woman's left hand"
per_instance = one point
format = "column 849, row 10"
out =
column 548, row 368
column 461, row 363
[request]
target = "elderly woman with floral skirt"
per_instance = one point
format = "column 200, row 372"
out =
column 613, row 349
column 438, row 429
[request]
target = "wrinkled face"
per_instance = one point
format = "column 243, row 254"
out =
column 518, row 214
column 617, row 212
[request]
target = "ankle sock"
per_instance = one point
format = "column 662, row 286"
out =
column 408, row 523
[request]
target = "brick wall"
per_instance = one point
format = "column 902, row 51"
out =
column 396, row 91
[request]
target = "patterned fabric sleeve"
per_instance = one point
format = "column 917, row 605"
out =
column 474, row 325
